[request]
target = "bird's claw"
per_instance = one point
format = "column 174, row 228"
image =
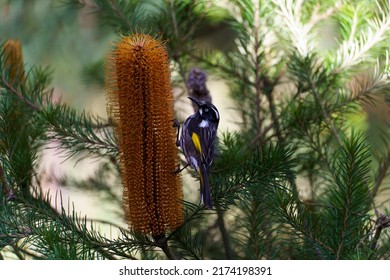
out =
column 176, row 123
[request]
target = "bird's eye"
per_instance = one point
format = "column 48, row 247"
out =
column 206, row 110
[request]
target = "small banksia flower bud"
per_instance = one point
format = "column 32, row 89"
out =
column 140, row 102
column 197, row 85
column 13, row 60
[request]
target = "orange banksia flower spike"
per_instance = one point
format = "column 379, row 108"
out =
column 140, row 102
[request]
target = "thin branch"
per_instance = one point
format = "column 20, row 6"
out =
column 177, row 53
column 256, row 58
column 307, row 234
column 261, row 134
column 274, row 117
column 3, row 181
column 57, row 128
column 383, row 168
column 174, row 21
column 382, row 222
column 254, row 229
column 352, row 52
column 317, row 147
column 344, row 228
column 52, row 213
column 107, row 223
column 88, row 141
column 226, row 70
column 17, row 252
column 316, row 17
column 224, row 234
column 268, row 90
column 30, row 253
column 120, row 14
column 324, row 113
column 10, row 88
column 290, row 13
column 161, row 242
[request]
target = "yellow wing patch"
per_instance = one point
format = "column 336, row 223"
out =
column 196, row 141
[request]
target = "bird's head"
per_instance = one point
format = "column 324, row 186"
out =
column 206, row 110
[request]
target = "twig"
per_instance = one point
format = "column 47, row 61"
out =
column 162, row 243
column 19, row 95
column 274, row 117
column 316, row 145
column 381, row 175
column 177, row 52
column 30, row 254
column 226, row 70
column 261, row 134
column 120, row 14
column 256, row 58
column 3, row 182
column 174, row 21
column 57, row 128
column 382, row 222
column 324, row 113
column 305, row 233
column 268, row 90
column 99, row 247
column 317, row 17
column 16, row 251
column 254, row 229
column 224, row 233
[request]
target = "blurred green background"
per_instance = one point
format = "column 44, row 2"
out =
column 55, row 36
column 67, row 41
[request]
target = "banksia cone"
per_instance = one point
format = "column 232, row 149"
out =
column 197, row 85
column 14, row 60
column 140, row 101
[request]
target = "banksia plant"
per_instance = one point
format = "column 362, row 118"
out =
column 140, row 101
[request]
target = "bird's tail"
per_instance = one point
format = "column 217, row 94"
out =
column 204, row 186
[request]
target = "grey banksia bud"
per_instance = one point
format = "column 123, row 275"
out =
column 197, row 85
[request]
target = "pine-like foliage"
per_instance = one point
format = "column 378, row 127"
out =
column 305, row 176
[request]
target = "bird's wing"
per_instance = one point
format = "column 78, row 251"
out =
column 203, row 140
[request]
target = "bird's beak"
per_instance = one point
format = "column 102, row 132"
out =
column 196, row 101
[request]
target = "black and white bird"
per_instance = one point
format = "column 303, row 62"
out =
column 197, row 142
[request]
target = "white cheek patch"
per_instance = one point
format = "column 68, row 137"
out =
column 201, row 111
column 204, row 123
